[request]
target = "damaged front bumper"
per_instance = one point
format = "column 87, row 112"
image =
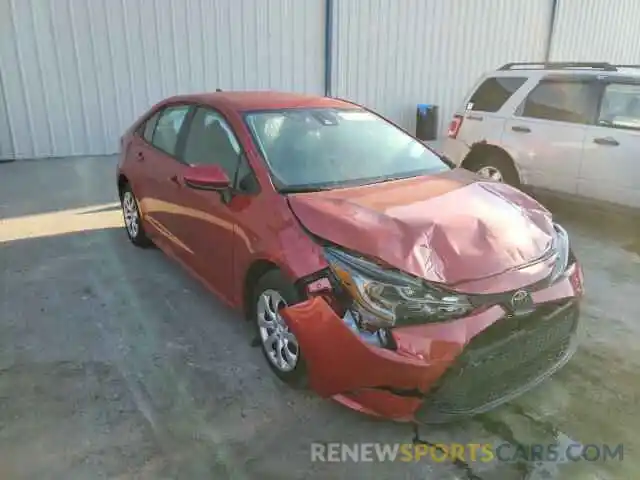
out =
column 439, row 371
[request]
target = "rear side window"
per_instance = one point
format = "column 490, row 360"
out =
column 494, row 92
column 562, row 101
column 150, row 126
column 165, row 136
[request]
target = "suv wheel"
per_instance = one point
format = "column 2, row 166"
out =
column 496, row 167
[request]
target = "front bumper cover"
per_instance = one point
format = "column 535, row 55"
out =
column 440, row 371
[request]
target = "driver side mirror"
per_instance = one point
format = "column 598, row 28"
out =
column 207, row 177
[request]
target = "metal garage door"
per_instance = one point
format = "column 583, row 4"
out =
column 75, row 73
column 391, row 55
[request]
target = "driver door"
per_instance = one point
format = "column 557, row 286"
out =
column 205, row 223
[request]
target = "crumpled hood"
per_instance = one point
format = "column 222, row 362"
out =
column 447, row 228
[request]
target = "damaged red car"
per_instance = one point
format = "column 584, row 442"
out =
column 374, row 272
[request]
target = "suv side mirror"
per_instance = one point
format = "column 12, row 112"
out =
column 207, row 177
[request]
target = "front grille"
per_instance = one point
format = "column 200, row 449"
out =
column 505, row 359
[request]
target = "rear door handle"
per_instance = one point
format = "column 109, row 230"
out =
column 477, row 118
column 610, row 141
column 520, row 129
column 174, row 179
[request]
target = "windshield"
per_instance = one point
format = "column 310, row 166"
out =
column 308, row 149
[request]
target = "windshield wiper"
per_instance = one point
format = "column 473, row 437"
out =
column 302, row 189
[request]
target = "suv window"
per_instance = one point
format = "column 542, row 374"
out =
column 494, row 92
column 211, row 140
column 150, row 126
column 620, row 106
column 165, row 136
column 563, row 101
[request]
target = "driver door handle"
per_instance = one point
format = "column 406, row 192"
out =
column 521, row 129
column 174, row 179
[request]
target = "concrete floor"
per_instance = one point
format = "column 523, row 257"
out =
column 116, row 364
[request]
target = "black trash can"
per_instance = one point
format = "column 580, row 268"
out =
column 427, row 121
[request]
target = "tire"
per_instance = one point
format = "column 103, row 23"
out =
column 275, row 287
column 132, row 219
column 496, row 166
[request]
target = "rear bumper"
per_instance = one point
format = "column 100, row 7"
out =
column 440, row 371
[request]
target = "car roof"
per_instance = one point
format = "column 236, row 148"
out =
column 262, row 100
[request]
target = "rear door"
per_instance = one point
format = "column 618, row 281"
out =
column 139, row 149
column 484, row 115
column 611, row 162
column 161, row 165
column 547, row 132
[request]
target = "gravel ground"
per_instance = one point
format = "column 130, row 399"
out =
column 114, row 363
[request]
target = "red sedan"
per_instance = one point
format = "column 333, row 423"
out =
column 373, row 271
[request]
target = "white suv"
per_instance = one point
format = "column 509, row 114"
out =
column 568, row 128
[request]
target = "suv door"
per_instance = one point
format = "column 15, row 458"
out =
column 610, row 164
column 483, row 116
column 547, row 132
column 205, row 223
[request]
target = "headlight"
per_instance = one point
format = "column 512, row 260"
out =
column 385, row 297
column 561, row 246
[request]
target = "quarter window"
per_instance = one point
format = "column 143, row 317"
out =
column 493, row 93
column 210, row 140
column 573, row 102
column 165, row 136
column 620, row 106
column 150, row 126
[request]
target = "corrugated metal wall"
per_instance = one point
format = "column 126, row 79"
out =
column 6, row 142
column 76, row 73
column 391, row 55
column 597, row 30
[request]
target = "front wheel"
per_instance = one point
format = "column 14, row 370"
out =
column 497, row 168
column 279, row 345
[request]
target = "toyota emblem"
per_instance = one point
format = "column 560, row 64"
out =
column 521, row 300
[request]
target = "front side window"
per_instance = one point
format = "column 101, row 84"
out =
column 210, row 140
column 562, row 101
column 620, row 107
column 326, row 147
column 494, row 92
column 165, row 136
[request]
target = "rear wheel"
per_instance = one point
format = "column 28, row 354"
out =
column 494, row 166
column 132, row 219
column 279, row 345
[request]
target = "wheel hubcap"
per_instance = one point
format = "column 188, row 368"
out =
column 491, row 172
column 130, row 211
column 278, row 342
